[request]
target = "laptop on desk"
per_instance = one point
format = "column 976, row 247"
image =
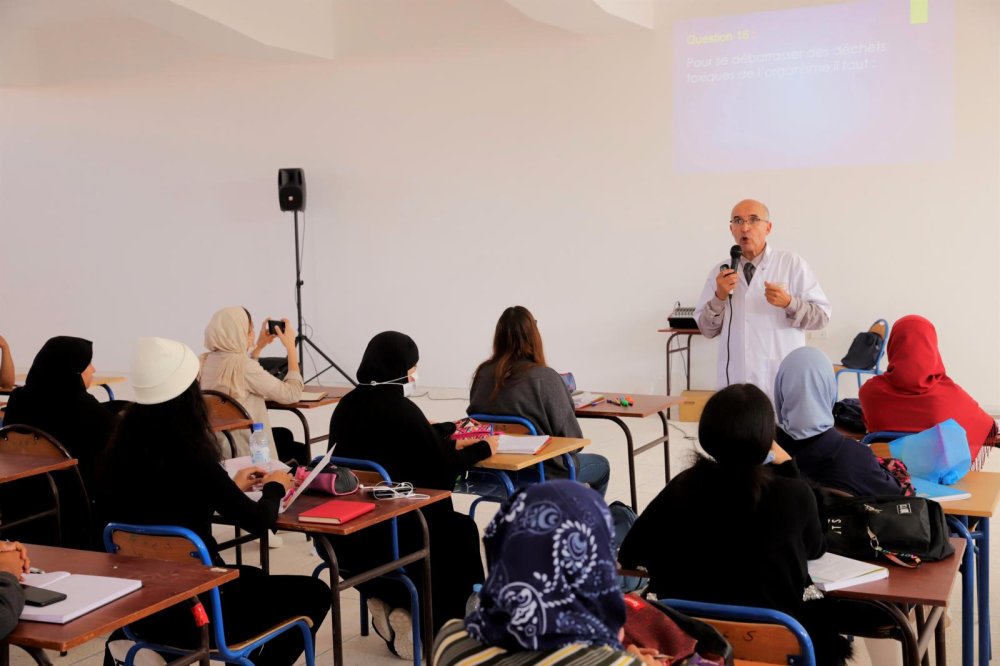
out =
column 294, row 495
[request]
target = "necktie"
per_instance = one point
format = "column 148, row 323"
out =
column 748, row 270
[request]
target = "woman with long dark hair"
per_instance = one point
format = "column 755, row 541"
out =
column 741, row 531
column 166, row 436
column 515, row 381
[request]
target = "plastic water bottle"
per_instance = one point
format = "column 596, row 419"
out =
column 472, row 605
column 260, row 448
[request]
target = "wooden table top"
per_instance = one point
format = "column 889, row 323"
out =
column 690, row 331
column 98, row 381
column 14, row 466
column 384, row 510
column 163, row 585
column 985, row 489
column 333, row 396
column 929, row 584
column 513, row 462
column 221, row 424
column 645, row 405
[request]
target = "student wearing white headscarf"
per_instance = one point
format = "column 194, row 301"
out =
column 231, row 366
column 805, row 391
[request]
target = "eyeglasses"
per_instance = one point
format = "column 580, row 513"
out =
column 753, row 221
column 386, row 490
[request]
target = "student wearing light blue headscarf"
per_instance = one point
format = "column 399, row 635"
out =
column 805, row 391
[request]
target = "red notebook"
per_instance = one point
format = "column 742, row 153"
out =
column 336, row 512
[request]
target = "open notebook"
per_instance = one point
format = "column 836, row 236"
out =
column 83, row 594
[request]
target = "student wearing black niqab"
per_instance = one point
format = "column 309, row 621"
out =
column 54, row 399
column 376, row 421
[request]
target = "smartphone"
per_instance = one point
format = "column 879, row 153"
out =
column 273, row 325
column 39, row 596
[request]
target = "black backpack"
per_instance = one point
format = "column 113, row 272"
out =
column 904, row 530
column 624, row 518
column 863, row 353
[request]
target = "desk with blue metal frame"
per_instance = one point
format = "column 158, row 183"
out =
column 164, row 584
column 974, row 514
column 384, row 510
column 971, row 517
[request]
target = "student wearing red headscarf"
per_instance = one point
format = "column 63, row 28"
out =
column 915, row 393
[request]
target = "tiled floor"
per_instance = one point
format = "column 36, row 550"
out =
column 296, row 555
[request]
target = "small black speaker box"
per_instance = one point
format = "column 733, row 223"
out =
column 291, row 189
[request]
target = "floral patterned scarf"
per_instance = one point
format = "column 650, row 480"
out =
column 551, row 579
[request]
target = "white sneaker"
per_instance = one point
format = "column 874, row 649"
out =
column 402, row 627
column 274, row 541
column 380, row 620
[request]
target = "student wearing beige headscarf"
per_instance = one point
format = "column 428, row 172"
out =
column 231, row 366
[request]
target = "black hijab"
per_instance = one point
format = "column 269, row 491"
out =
column 57, row 366
column 55, row 400
column 388, row 358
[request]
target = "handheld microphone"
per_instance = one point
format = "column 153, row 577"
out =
column 734, row 256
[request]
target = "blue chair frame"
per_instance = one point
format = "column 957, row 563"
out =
column 751, row 614
column 874, row 370
column 222, row 651
column 498, row 481
column 398, row 575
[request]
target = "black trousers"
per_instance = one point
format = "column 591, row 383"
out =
column 251, row 604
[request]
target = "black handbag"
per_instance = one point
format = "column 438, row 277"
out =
column 863, row 352
column 903, row 530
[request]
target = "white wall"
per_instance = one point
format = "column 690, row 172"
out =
column 445, row 184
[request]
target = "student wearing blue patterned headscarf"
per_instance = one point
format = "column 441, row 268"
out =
column 551, row 594
column 805, row 391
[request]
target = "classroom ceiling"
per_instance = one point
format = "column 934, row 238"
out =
column 62, row 42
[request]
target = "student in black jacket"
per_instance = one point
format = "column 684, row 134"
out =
column 163, row 467
column 54, row 399
column 377, row 422
column 733, row 530
column 805, row 391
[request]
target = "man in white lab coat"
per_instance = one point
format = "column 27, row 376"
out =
column 763, row 308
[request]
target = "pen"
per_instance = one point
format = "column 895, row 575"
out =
column 35, row 570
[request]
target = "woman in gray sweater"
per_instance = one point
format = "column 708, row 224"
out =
column 515, row 381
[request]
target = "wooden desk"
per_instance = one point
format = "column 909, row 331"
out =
column 163, row 584
column 928, row 585
column 645, row 405
column 515, row 462
column 683, row 349
column 384, row 510
column 99, row 380
column 332, row 397
column 14, row 467
column 225, row 425
column 985, row 489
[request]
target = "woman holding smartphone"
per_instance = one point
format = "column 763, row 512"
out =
column 231, row 366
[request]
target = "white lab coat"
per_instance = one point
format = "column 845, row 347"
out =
column 762, row 335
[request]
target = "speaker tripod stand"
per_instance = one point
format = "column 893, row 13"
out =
column 301, row 339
